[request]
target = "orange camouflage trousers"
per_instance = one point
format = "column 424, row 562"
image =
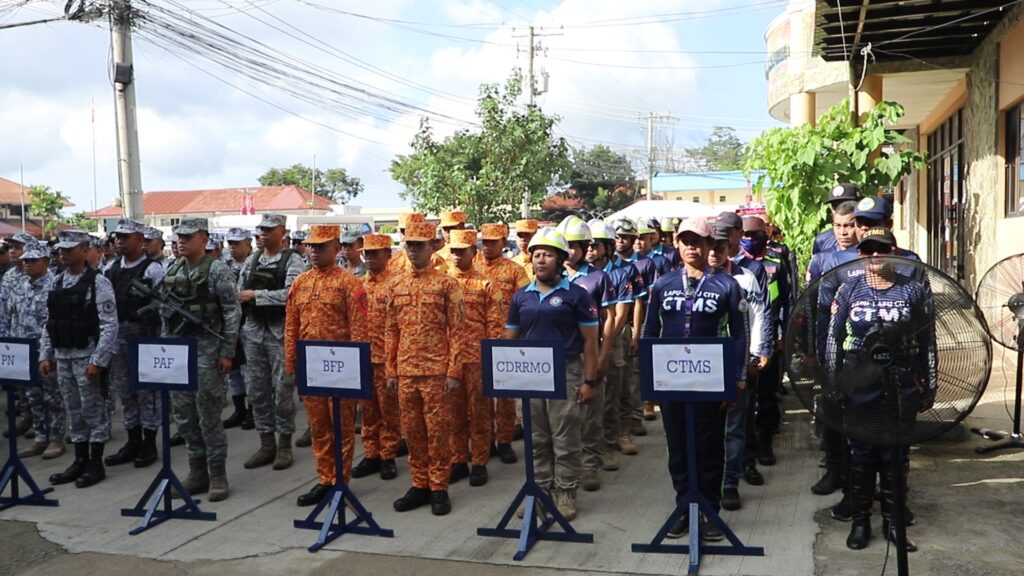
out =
column 427, row 429
column 381, row 427
column 321, row 427
column 504, row 420
column 472, row 418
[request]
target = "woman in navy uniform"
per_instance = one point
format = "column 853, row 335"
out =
column 697, row 301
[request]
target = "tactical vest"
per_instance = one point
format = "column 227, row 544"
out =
column 73, row 318
column 772, row 265
column 266, row 279
column 195, row 297
column 128, row 301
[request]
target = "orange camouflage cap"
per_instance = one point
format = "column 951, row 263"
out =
column 528, row 226
column 376, row 242
column 408, row 218
column 494, row 232
column 452, row 218
column 321, row 233
column 418, row 232
column 462, row 239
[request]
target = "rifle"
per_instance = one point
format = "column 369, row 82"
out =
column 168, row 305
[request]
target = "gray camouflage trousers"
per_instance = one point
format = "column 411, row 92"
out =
column 86, row 405
column 271, row 389
column 198, row 414
column 235, row 382
column 48, row 414
column 138, row 407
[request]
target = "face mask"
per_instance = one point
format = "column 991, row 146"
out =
column 754, row 246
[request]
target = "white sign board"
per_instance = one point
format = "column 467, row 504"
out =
column 15, row 362
column 523, row 369
column 688, row 368
column 330, row 367
column 163, row 364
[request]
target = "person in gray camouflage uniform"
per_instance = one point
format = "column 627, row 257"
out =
column 153, row 241
column 263, row 285
column 28, row 320
column 139, row 408
column 298, row 240
column 12, row 277
column 350, row 257
column 205, row 287
column 79, row 341
column 239, row 249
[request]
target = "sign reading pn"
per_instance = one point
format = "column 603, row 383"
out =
column 16, row 363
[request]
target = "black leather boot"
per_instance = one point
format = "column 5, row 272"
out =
column 314, row 496
column 862, row 491
column 366, row 467
column 440, row 504
column 147, row 451
column 77, row 467
column 413, row 499
column 129, row 451
column 94, row 471
column 388, row 469
column 829, row 483
column 886, row 483
column 238, row 416
column 765, row 451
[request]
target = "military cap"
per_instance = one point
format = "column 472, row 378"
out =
column 191, row 226
column 272, row 221
column 878, row 235
column 351, row 237
column 462, row 238
column 126, row 226
column 494, row 232
column 72, row 238
column 528, row 226
column 238, row 235
column 98, row 242
column 151, row 233
column 408, row 218
column 214, row 241
column 420, row 232
column 449, row 219
column 376, row 242
column 22, row 238
column 172, row 238
column 35, row 251
column 321, row 233
column 299, row 236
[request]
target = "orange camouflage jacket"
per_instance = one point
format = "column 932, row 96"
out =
column 324, row 305
column 523, row 259
column 400, row 262
column 377, row 300
column 507, row 276
column 423, row 334
column 485, row 311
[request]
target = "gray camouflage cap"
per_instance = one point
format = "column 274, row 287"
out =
column 72, row 238
column 272, row 221
column 299, row 236
column 238, row 235
column 214, row 241
column 35, row 251
column 192, row 225
column 150, row 233
column 351, row 237
column 125, row 226
column 22, row 238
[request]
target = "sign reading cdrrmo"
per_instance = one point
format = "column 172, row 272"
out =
column 523, row 368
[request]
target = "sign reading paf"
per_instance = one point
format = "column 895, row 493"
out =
column 164, row 364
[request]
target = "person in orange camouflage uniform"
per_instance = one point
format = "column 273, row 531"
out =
column 525, row 229
column 400, row 261
column 424, row 341
column 450, row 221
column 325, row 303
column 508, row 277
column 472, row 413
column 381, row 424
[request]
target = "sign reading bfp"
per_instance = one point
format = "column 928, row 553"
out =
column 524, row 368
column 19, row 361
column 692, row 369
column 163, row 364
column 338, row 369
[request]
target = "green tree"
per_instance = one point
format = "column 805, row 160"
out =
column 46, row 204
column 722, row 151
column 79, row 221
column 335, row 184
column 798, row 166
column 486, row 172
column 602, row 180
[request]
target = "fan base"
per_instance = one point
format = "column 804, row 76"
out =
column 1015, row 441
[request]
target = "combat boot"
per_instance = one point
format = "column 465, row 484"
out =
column 198, row 479
column 765, row 451
column 626, row 444
column 129, row 451
column 413, row 499
column 366, row 467
column 590, row 480
column 284, row 458
column 35, row 449
column 266, row 454
column 388, row 469
column 829, row 483
column 249, row 423
column 219, row 481
column 609, row 461
column 54, row 449
column 478, row 475
column 75, row 470
column 305, row 440
column 886, row 484
column 94, row 471
column 862, row 491
column 506, row 454
column 440, row 504
column 147, row 451
column 565, row 502
column 238, row 416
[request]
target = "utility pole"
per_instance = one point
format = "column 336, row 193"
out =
column 651, row 119
column 531, row 89
column 129, row 171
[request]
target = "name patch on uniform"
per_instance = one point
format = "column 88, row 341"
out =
column 18, row 361
column 523, row 368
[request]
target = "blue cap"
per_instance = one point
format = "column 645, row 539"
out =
column 872, row 208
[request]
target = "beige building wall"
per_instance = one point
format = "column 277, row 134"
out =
column 711, row 198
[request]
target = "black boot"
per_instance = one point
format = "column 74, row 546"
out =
column 862, row 491
column 388, row 469
column 177, row 439
column 314, row 496
column 459, row 471
column 147, row 451
column 248, row 423
column 439, row 503
column 238, row 416
column 886, row 483
column 94, row 471
column 765, row 452
column 129, row 451
column 366, row 467
column 403, row 448
column 829, row 483
column 77, row 467
column 413, row 499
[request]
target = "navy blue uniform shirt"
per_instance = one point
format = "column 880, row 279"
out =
column 718, row 309
column 647, row 269
column 825, row 242
column 596, row 283
column 636, row 281
column 557, row 315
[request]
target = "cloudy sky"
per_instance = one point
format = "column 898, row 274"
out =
column 348, row 82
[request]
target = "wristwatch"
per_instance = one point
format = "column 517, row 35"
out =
column 591, row 383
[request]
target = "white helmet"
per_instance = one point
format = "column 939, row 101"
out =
column 574, row 229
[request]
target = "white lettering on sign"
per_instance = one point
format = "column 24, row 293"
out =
column 15, row 362
column 163, row 364
column 333, row 367
column 523, row 369
column 688, row 367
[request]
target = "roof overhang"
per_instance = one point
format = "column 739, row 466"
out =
column 902, row 29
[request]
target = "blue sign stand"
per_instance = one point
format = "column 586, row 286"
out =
column 334, row 523
column 694, row 502
column 532, row 528
column 148, row 507
column 14, row 471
